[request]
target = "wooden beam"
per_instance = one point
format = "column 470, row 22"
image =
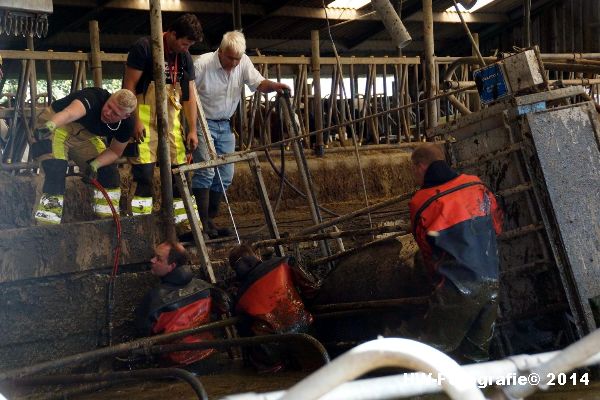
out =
column 200, row 7
column 124, row 41
column 453, row 18
column 336, row 14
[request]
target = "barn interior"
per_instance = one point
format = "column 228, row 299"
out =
column 322, row 174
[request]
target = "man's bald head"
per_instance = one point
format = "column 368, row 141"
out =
column 428, row 153
column 422, row 157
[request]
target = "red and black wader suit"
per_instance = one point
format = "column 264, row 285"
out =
column 181, row 302
column 268, row 294
column 455, row 220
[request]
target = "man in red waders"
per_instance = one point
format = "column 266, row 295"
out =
column 180, row 302
column 268, row 293
column 455, row 220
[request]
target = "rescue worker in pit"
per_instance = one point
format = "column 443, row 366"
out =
column 455, row 220
column 180, row 302
column 268, row 293
column 220, row 78
column 179, row 72
column 71, row 129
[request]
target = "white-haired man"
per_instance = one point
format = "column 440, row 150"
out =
column 71, row 129
column 220, row 77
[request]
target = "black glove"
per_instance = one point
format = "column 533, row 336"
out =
column 44, row 132
column 90, row 173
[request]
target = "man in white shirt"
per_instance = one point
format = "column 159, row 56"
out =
column 220, row 77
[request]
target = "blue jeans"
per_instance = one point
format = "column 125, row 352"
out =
column 224, row 139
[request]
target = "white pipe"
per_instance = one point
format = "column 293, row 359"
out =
column 568, row 359
column 417, row 384
column 390, row 352
column 392, row 22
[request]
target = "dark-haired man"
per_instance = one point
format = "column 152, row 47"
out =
column 455, row 220
column 180, row 302
column 139, row 78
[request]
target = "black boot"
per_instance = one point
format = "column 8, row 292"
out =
column 213, row 210
column 202, row 201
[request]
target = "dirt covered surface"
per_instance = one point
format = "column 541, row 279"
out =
column 216, row 386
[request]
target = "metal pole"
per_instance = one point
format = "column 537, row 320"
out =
column 317, row 106
column 476, row 100
column 162, row 118
column 350, row 252
column 431, row 83
column 122, row 348
column 372, row 304
column 95, row 51
column 356, row 213
column 32, row 85
column 330, row 235
column 143, row 374
column 303, row 169
column 416, row 103
column 48, row 82
column 468, row 32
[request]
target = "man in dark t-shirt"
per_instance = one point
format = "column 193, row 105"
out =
column 139, row 78
column 72, row 129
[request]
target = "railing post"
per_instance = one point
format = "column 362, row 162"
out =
column 95, row 53
column 162, row 118
column 317, row 106
column 430, row 75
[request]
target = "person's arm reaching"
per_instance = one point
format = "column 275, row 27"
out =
column 267, row 86
column 191, row 115
column 70, row 113
column 111, row 154
column 130, row 81
column 107, row 157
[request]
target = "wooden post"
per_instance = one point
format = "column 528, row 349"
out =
column 48, row 82
column 353, row 98
column 386, row 106
column 237, row 15
column 306, row 105
column 430, row 75
column 317, row 106
column 527, row 23
column 162, row 118
column 95, row 53
column 32, row 85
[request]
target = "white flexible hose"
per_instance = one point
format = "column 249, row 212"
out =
column 568, row 359
column 389, row 352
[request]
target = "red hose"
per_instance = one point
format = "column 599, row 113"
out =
column 117, row 252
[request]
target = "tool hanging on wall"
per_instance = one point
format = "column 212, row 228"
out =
column 25, row 17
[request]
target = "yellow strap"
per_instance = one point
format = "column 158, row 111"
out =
column 98, row 144
column 178, row 140
column 58, row 144
column 145, row 112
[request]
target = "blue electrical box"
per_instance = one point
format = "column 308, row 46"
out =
column 491, row 83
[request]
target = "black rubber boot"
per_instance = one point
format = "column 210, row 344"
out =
column 202, row 201
column 213, row 210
